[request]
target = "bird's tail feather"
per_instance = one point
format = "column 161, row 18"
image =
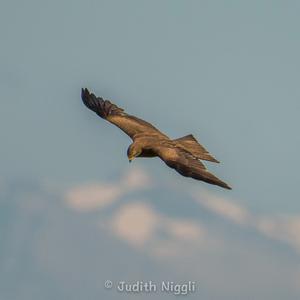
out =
column 190, row 144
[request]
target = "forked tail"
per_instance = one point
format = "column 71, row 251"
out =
column 190, row 144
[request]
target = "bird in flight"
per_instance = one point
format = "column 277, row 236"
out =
column 183, row 154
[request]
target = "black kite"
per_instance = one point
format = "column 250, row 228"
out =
column 183, row 154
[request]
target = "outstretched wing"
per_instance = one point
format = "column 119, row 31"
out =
column 188, row 165
column 131, row 125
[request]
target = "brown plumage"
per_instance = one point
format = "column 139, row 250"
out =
column 182, row 154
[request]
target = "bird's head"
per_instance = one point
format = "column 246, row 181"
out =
column 133, row 151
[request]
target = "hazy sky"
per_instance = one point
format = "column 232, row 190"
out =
column 226, row 71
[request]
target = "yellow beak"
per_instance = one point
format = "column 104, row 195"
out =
column 130, row 159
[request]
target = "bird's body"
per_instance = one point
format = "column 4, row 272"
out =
column 182, row 154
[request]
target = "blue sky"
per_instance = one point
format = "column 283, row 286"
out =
column 228, row 72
